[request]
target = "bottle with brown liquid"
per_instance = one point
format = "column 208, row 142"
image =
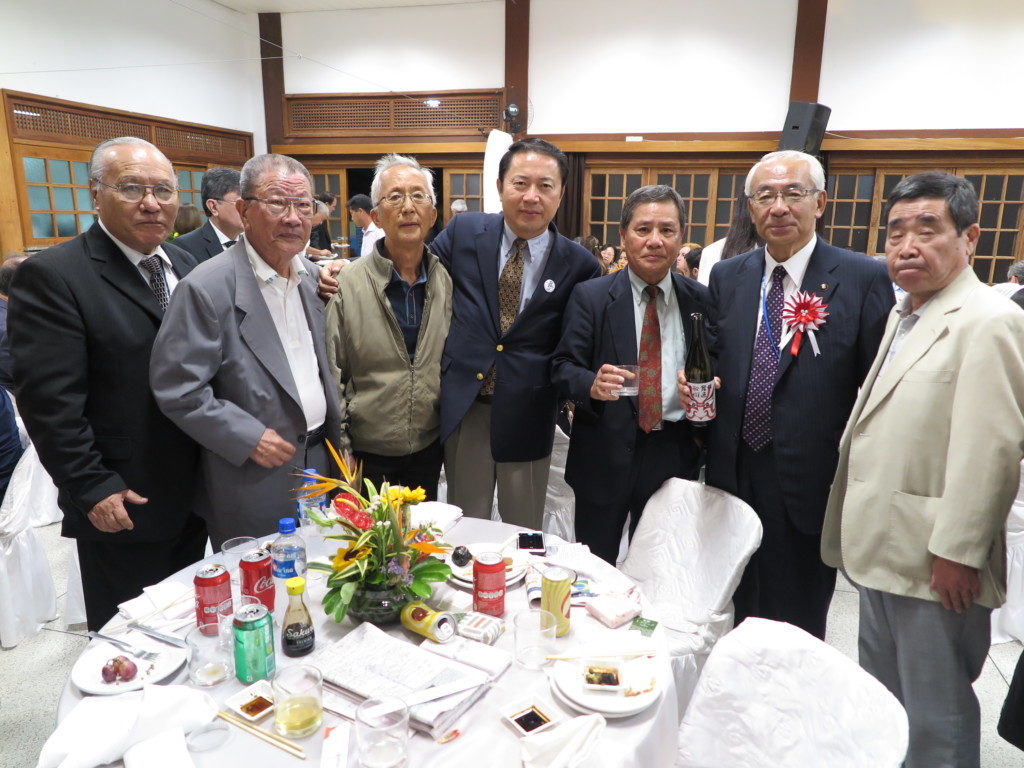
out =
column 297, row 636
column 700, row 376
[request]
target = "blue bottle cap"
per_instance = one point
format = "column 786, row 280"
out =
column 286, row 525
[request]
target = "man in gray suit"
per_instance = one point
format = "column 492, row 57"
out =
column 240, row 362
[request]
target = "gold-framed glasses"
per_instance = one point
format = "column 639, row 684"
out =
column 790, row 196
column 131, row 192
column 397, row 198
column 277, row 206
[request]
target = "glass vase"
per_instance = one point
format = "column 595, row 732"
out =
column 376, row 603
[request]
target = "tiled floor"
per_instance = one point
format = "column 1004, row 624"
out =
column 33, row 674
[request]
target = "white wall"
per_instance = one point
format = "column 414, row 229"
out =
column 609, row 66
column 199, row 80
column 440, row 47
column 908, row 64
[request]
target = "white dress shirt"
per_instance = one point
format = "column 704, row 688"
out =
column 673, row 339
column 535, row 257
column 285, row 305
column 795, row 266
column 135, row 257
column 908, row 319
column 224, row 239
column 371, row 234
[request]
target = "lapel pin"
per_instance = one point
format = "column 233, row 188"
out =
column 824, row 286
column 549, row 285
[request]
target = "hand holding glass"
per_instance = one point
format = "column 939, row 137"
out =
column 631, row 386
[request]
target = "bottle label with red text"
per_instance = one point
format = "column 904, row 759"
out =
column 702, row 403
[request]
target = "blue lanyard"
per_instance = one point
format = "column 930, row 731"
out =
column 764, row 316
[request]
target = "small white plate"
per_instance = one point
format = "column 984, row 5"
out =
column 87, row 677
column 259, row 688
column 567, row 680
column 520, row 562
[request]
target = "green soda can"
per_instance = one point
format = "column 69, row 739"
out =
column 254, row 643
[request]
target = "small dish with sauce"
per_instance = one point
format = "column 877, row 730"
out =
column 253, row 703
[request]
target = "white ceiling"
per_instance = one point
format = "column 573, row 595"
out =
column 302, row 6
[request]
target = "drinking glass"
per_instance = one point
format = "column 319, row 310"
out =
column 630, row 387
column 209, row 661
column 382, row 733
column 231, row 553
column 535, row 637
column 226, row 618
column 298, row 700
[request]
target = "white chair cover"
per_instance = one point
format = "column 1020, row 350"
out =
column 74, row 600
column 560, row 505
column 688, row 554
column 773, row 696
column 32, row 489
column 27, row 596
column 1008, row 621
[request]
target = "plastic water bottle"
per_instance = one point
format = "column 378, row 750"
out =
column 311, row 503
column 288, row 551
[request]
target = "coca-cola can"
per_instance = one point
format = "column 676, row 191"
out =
column 213, row 587
column 489, row 583
column 256, row 574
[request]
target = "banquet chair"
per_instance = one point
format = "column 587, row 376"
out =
column 688, row 554
column 773, row 696
column 27, row 595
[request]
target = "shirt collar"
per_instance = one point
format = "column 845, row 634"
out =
column 220, row 235
column 137, row 256
column 904, row 310
column 795, row 265
column 638, row 286
column 535, row 246
column 267, row 274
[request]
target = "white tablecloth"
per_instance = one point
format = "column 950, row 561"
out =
column 647, row 739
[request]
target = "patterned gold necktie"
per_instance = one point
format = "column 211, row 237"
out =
column 649, row 360
column 510, row 289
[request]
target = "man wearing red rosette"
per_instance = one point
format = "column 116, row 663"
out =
column 799, row 322
column 928, row 470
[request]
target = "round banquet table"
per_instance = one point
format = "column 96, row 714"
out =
column 645, row 739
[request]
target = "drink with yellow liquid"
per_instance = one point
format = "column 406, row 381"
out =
column 298, row 708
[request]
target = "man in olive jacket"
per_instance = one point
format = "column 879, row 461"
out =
column 386, row 329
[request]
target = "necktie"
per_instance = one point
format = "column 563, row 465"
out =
column 650, row 363
column 757, row 414
column 157, row 283
column 229, row 243
column 510, row 288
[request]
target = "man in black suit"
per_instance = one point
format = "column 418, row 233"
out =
column 512, row 274
column 82, row 320
column 783, row 404
column 623, row 448
column 224, row 225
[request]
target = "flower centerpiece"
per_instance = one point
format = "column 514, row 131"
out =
column 383, row 561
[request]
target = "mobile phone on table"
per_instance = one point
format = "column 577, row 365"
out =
column 532, row 542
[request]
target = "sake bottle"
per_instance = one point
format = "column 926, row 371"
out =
column 700, row 375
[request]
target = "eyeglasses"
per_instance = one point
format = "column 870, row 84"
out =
column 131, row 192
column 397, row 198
column 277, row 206
column 790, row 196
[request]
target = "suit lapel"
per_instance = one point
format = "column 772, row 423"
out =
column 257, row 326
column 744, row 308
column 213, row 246
column 488, row 241
column 117, row 270
column 820, row 272
column 622, row 321
column 181, row 266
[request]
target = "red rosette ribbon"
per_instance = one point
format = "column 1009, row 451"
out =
column 803, row 313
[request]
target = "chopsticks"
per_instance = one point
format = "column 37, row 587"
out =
column 622, row 655
column 271, row 738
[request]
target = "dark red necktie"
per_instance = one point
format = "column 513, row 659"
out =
column 650, row 363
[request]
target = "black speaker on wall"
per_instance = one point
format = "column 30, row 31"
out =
column 805, row 126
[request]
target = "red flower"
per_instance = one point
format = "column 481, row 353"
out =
column 346, row 505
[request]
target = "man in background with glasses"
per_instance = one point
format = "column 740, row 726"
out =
column 82, row 321
column 386, row 330
column 240, row 365
column 782, row 408
column 224, row 225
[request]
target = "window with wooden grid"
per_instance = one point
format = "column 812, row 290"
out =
column 190, row 184
column 465, row 184
column 848, row 214
column 1000, row 197
column 57, row 197
column 607, row 190
column 730, row 184
column 695, row 189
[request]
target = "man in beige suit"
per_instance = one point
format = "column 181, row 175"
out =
column 928, row 468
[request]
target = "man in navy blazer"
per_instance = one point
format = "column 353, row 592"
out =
column 224, row 225
column 512, row 274
column 775, row 440
column 616, row 460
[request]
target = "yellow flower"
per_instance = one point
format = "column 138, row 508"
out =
column 402, row 495
column 345, row 556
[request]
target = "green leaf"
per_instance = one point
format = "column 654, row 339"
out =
column 322, row 567
column 420, row 588
column 431, row 569
column 330, row 601
column 345, row 597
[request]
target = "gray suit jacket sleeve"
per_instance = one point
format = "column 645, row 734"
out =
column 186, row 356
